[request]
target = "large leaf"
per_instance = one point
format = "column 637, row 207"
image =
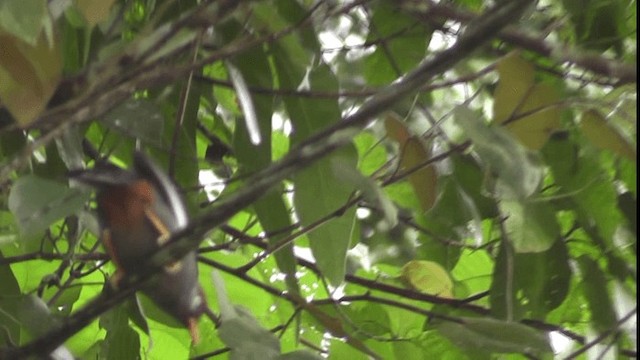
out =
column 528, row 109
column 603, row 316
column 94, row 11
column 599, row 25
column 371, row 192
column 121, row 342
column 461, row 207
column 530, row 284
column 29, row 75
column 30, row 314
column 530, row 224
column 603, row 135
column 396, row 54
column 271, row 209
column 37, row 203
column 428, row 277
column 518, row 174
column 240, row 331
column 319, row 192
column 486, row 334
column 25, row 20
column 371, row 153
column 455, row 215
column 137, row 118
column 582, row 179
column 331, row 318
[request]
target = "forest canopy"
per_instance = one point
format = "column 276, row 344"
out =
column 364, row 179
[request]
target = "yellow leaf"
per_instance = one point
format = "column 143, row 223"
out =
column 516, row 95
column 516, row 80
column 413, row 153
column 427, row 277
column 533, row 130
column 424, row 181
column 28, row 76
column 94, row 11
column 604, row 135
column 396, row 128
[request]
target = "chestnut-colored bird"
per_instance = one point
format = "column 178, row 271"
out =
column 138, row 211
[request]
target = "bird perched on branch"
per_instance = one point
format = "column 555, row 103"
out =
column 138, row 210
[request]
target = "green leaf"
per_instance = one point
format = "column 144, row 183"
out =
column 436, row 247
column 532, row 284
column 371, row 153
column 455, row 215
column 319, row 192
column 240, row 331
column 37, row 203
column 299, row 355
column 225, row 97
column 271, row 209
column 401, row 193
column 274, row 218
column 583, row 180
column 371, row 319
column 370, row 191
column 496, row 336
column 291, row 61
column 65, row 301
column 25, row 19
column 519, row 175
column 468, row 175
column 9, row 293
column 94, row 11
column 629, row 207
column 516, row 80
column 596, row 293
column 293, row 12
column 137, row 118
column 531, row 225
column 32, row 316
column 121, row 342
column 407, row 350
column 599, row 25
column 473, row 272
column 397, row 54
column 338, row 350
column 434, row 345
column 247, row 339
column 309, row 116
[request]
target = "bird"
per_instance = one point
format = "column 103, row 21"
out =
column 138, row 210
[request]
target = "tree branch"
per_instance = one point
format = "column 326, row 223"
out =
column 595, row 63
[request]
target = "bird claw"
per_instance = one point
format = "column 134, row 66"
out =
column 192, row 325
